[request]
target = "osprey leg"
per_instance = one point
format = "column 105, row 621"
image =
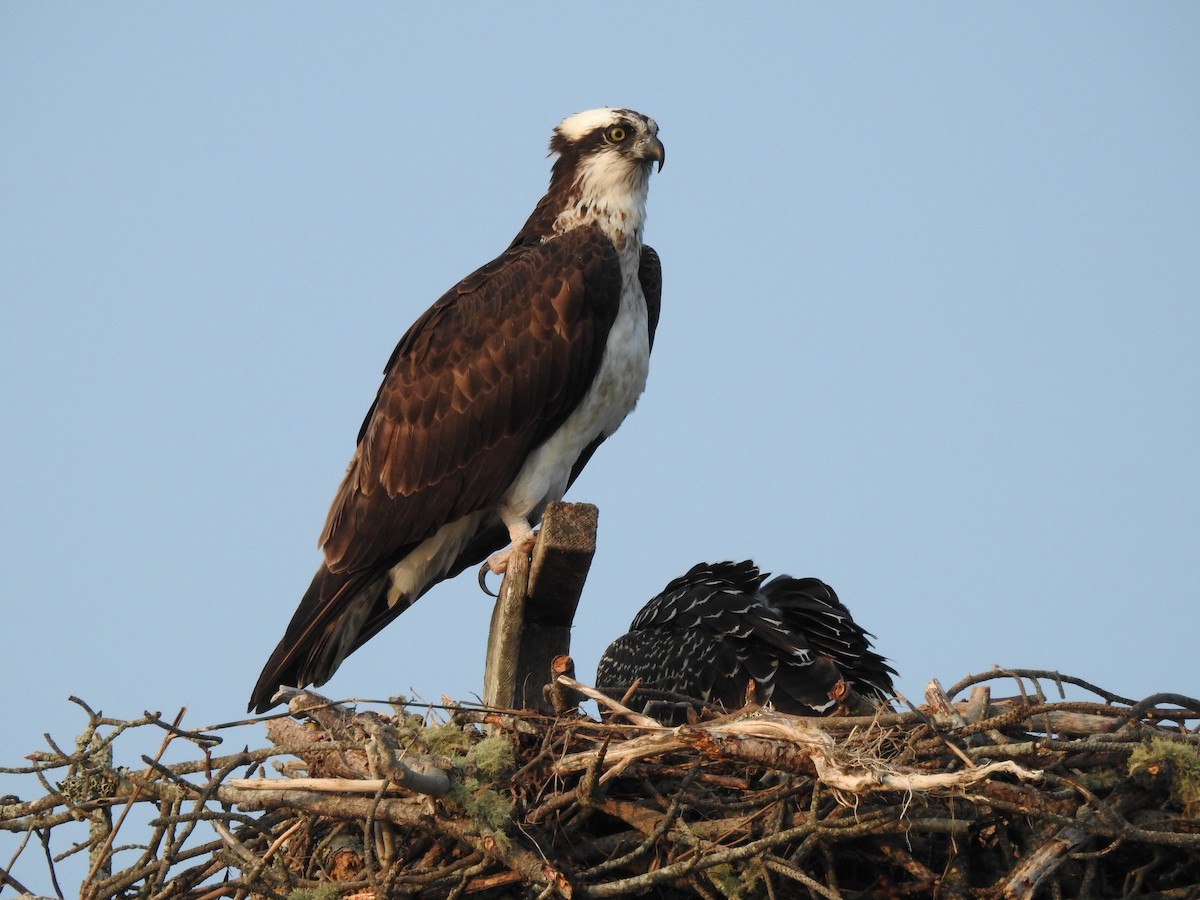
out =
column 521, row 538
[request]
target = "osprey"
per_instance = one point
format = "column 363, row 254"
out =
column 492, row 402
column 713, row 631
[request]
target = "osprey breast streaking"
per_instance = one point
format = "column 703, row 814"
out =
column 493, row 401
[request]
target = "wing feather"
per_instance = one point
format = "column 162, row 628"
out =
column 650, row 275
column 487, row 374
column 480, row 380
column 791, row 636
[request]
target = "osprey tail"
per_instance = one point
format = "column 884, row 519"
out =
column 331, row 620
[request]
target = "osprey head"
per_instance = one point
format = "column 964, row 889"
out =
column 602, row 172
column 616, row 137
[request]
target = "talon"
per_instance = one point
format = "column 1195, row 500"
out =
column 484, row 570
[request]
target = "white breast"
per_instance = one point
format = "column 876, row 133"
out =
column 611, row 397
column 544, row 477
column 612, row 197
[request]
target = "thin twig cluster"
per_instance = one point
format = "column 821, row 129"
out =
column 969, row 795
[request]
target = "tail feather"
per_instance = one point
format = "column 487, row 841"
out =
column 812, row 607
column 337, row 614
column 341, row 611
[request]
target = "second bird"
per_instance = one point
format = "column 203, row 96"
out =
column 716, row 630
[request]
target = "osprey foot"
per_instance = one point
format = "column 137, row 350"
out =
column 498, row 562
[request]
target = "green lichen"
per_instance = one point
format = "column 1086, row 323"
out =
column 478, row 786
column 324, row 892
column 1164, row 758
column 446, row 740
column 492, row 811
column 492, row 758
column 736, row 883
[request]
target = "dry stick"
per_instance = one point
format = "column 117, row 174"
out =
column 11, row 813
column 1039, row 865
column 6, row 878
column 117, row 884
column 1189, row 706
column 1059, row 718
column 1108, row 828
column 371, row 834
column 929, row 723
column 248, row 859
column 318, row 785
column 419, row 776
column 604, row 699
column 156, row 861
column 1107, row 745
column 735, row 854
column 379, row 748
column 894, row 855
column 185, row 881
column 17, row 855
column 660, row 830
column 204, row 741
column 698, row 886
column 551, row 804
column 133, row 796
column 1051, row 853
column 329, row 714
column 399, row 812
column 560, row 698
column 468, row 866
column 177, row 840
column 633, row 689
column 544, row 750
column 222, row 891
column 996, row 672
column 978, row 704
column 788, row 744
column 585, row 788
column 783, row 867
column 44, row 838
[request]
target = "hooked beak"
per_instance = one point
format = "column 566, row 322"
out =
column 652, row 148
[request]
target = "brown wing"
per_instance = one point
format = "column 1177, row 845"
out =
column 487, row 374
column 650, row 276
column 481, row 379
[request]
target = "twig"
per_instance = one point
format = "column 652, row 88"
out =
column 102, row 854
column 609, row 808
column 635, row 717
column 775, row 864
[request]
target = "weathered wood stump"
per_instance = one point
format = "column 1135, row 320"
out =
column 531, row 623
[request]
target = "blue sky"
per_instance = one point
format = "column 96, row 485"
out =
column 929, row 325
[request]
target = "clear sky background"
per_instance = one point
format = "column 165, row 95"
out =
column 930, row 331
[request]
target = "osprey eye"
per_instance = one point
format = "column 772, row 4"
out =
column 616, row 134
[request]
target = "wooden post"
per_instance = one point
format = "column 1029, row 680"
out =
column 500, row 667
column 531, row 623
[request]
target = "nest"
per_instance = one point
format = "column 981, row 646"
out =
column 966, row 796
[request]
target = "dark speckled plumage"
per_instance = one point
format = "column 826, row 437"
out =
column 719, row 627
